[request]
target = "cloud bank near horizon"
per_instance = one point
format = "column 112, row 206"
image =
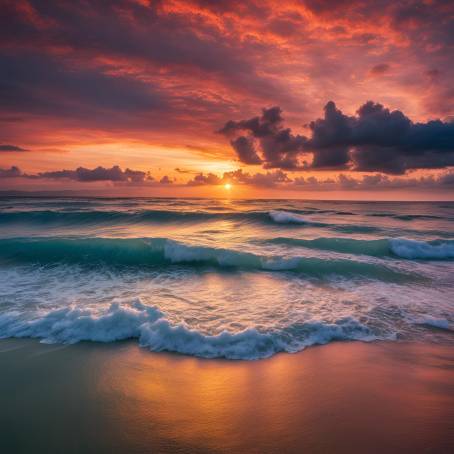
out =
column 113, row 175
column 271, row 179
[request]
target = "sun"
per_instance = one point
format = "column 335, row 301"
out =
column 228, row 186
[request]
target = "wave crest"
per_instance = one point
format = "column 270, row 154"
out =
column 286, row 217
column 153, row 330
column 412, row 249
column 400, row 247
column 156, row 252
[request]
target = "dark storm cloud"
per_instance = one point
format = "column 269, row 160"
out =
column 278, row 146
column 8, row 147
column 375, row 139
column 378, row 139
column 245, row 150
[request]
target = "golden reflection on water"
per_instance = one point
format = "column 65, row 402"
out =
column 317, row 399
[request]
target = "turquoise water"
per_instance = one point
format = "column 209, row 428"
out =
column 240, row 279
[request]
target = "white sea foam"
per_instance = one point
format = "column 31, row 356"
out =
column 436, row 322
column 73, row 324
column 181, row 253
column 282, row 264
column 153, row 330
column 286, row 217
column 412, row 249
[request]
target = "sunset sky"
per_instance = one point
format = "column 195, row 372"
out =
column 314, row 99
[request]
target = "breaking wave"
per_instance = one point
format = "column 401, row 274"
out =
column 412, row 249
column 399, row 247
column 157, row 252
column 153, row 330
column 434, row 322
column 286, row 217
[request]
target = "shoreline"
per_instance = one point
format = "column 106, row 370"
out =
column 340, row 397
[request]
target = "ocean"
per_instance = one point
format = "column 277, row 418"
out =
column 236, row 279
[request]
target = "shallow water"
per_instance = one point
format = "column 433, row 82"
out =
column 382, row 397
column 238, row 279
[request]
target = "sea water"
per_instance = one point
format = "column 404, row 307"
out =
column 238, row 279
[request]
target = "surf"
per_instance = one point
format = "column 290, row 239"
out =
column 150, row 327
column 159, row 252
column 388, row 247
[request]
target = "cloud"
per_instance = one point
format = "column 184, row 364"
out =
column 376, row 139
column 379, row 69
column 245, row 150
column 113, row 175
column 377, row 182
column 278, row 146
column 43, row 85
column 12, row 172
column 281, row 180
column 184, row 171
column 271, row 179
column 125, row 61
column 7, row 147
column 267, row 179
column 202, row 179
column 171, row 72
column 165, row 180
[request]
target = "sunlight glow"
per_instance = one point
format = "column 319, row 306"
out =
column 228, row 186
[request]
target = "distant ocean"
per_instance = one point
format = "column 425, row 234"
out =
column 238, row 279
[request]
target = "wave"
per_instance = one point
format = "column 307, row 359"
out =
column 105, row 216
column 434, row 322
column 153, row 330
column 412, row 249
column 411, row 217
column 400, row 247
column 376, row 248
column 81, row 217
column 287, row 217
column 157, row 252
column 404, row 217
column 292, row 218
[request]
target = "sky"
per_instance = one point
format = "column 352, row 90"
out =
column 303, row 98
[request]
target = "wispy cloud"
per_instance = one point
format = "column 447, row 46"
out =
column 13, row 148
